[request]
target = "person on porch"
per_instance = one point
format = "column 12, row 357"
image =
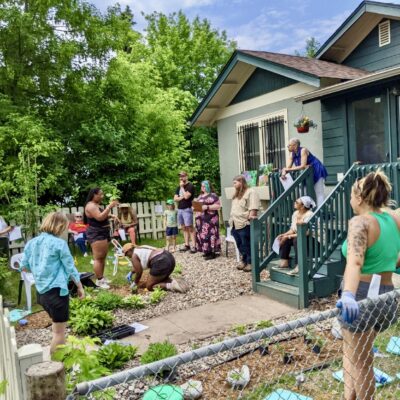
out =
column 301, row 158
column 303, row 213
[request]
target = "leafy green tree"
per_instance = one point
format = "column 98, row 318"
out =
column 312, row 46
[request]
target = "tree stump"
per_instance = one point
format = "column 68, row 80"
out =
column 46, row 381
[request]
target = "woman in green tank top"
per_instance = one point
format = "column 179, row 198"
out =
column 373, row 247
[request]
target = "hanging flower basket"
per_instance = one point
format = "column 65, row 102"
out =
column 304, row 124
column 303, row 129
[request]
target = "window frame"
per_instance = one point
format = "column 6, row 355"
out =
column 259, row 120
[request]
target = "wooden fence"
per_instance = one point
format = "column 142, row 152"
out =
column 14, row 362
column 149, row 213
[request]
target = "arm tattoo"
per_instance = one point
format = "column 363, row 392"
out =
column 358, row 237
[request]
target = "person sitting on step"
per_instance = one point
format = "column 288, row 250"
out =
column 303, row 213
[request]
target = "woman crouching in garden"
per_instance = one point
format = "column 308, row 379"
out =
column 49, row 259
column 372, row 247
column 159, row 262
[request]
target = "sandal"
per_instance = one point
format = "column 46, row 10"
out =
column 247, row 268
column 294, row 271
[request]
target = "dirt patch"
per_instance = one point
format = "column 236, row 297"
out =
column 38, row 320
column 266, row 369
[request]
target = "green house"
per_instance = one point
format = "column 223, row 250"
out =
column 351, row 90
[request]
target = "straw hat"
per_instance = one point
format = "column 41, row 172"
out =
column 124, row 205
column 126, row 247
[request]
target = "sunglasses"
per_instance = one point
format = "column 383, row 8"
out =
column 78, row 216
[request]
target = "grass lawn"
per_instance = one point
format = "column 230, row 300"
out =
column 10, row 290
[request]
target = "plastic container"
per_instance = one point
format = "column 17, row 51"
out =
column 163, row 392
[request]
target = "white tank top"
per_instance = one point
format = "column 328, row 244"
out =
column 143, row 255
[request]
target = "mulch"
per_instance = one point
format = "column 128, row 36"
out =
column 37, row 320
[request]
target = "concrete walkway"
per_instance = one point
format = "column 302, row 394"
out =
column 207, row 320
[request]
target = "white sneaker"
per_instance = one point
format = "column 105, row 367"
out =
column 106, row 280
column 179, row 286
column 102, row 284
column 92, row 261
column 85, row 255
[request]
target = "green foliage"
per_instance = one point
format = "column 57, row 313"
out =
column 311, row 48
column 87, row 320
column 158, row 351
column 157, row 295
column 239, row 329
column 115, row 355
column 3, row 386
column 107, row 301
column 263, row 324
column 75, row 304
column 135, row 301
column 81, row 365
column 5, row 274
column 178, row 269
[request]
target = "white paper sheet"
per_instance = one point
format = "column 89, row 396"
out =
column 286, row 183
column 138, row 327
column 15, row 234
column 276, row 246
column 158, row 209
column 373, row 290
column 122, row 234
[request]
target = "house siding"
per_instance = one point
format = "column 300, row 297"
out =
column 261, row 82
column 334, row 134
column 369, row 56
column 227, row 138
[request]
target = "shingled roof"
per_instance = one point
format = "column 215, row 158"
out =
column 312, row 66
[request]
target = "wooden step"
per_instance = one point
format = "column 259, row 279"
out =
column 281, row 292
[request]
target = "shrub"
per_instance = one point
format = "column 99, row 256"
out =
column 107, row 301
column 157, row 295
column 135, row 301
column 115, row 355
column 158, row 351
column 88, row 320
column 75, row 304
column 5, row 275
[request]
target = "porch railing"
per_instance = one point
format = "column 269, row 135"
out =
column 275, row 220
column 328, row 227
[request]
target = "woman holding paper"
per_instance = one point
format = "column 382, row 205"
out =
column 372, row 252
column 301, row 158
column 303, row 213
column 127, row 221
column 207, row 222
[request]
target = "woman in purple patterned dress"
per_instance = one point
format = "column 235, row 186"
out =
column 207, row 223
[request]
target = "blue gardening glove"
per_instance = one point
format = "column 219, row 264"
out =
column 129, row 276
column 349, row 306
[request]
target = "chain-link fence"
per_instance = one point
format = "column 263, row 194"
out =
column 312, row 357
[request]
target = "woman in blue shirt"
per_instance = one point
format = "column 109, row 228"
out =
column 49, row 259
column 301, row 158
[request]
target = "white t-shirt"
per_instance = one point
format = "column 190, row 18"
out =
column 143, row 255
column 3, row 226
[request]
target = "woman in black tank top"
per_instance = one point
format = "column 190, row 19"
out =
column 98, row 232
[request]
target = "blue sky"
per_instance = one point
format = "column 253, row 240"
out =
column 271, row 25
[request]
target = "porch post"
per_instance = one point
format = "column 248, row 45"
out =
column 255, row 237
column 303, row 265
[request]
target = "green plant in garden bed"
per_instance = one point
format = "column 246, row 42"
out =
column 115, row 355
column 263, row 324
column 158, row 351
column 82, row 365
column 157, row 295
column 135, row 301
column 239, row 329
column 3, row 385
column 88, row 320
column 177, row 270
column 107, row 301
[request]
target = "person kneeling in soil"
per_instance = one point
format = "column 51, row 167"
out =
column 161, row 264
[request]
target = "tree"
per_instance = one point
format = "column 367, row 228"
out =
column 312, row 46
column 189, row 55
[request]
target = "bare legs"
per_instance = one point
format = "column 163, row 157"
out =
column 189, row 234
column 99, row 249
column 132, row 234
column 159, row 281
column 359, row 380
column 58, row 335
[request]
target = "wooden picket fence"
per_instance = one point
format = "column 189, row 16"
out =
column 14, row 362
column 149, row 213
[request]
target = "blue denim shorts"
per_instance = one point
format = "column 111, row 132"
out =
column 185, row 217
column 171, row 231
column 377, row 314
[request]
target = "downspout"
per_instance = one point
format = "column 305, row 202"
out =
column 389, row 124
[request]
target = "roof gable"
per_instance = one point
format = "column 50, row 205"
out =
column 259, row 83
column 355, row 29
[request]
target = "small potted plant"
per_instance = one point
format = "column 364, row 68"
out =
column 309, row 337
column 263, row 348
column 287, row 358
column 303, row 124
column 318, row 345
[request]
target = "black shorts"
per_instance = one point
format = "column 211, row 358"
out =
column 55, row 305
column 171, row 231
column 95, row 234
column 162, row 264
